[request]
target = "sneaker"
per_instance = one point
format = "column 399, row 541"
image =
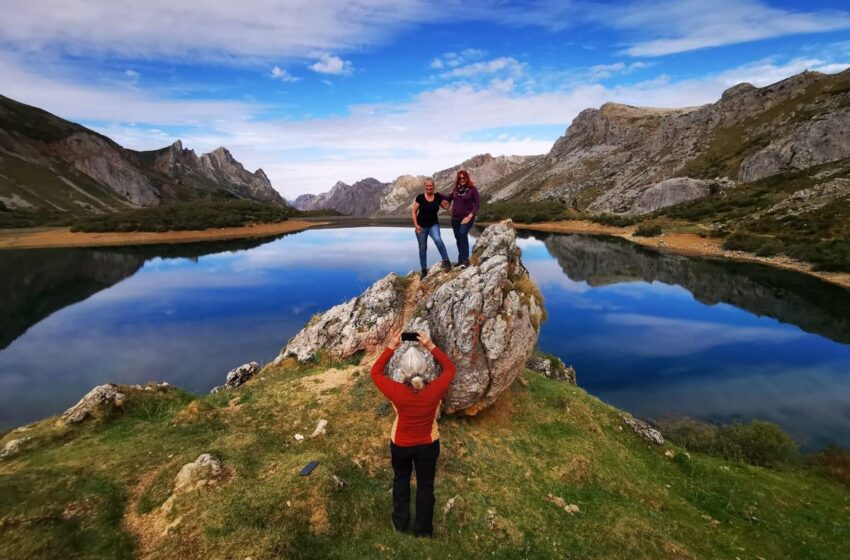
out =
column 423, row 273
column 459, row 264
column 466, row 262
column 447, row 266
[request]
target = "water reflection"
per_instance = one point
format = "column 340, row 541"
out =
column 654, row 334
column 662, row 335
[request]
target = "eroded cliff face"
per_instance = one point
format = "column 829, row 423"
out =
column 636, row 160
column 50, row 163
column 486, row 317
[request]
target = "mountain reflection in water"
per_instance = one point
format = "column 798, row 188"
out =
column 655, row 334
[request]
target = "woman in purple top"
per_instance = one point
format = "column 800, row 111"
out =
column 465, row 202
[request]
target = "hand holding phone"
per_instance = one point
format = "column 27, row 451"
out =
column 410, row 336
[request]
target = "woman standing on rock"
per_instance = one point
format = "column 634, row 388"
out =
column 414, row 439
column 424, row 213
column 465, row 202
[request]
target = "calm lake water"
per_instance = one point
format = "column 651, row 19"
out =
column 654, row 334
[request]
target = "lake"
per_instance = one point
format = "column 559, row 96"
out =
column 652, row 333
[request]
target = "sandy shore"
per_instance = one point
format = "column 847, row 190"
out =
column 687, row 244
column 64, row 237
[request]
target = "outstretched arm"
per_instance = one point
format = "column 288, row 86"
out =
column 441, row 384
column 384, row 384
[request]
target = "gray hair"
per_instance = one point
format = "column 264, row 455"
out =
column 412, row 363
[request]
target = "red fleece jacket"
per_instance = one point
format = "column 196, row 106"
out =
column 416, row 411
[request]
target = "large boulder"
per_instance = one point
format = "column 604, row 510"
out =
column 238, row 376
column 486, row 317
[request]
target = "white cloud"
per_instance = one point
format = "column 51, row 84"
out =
column 437, row 63
column 602, row 71
column 330, row 64
column 496, row 65
column 284, row 76
column 673, row 26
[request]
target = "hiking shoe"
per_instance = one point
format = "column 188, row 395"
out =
column 459, row 264
column 423, row 273
column 447, row 266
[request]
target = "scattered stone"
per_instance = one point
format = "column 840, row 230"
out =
column 561, row 503
column 553, row 368
column 299, row 437
column 99, row 396
column 13, row 447
column 339, row 483
column 643, row 429
column 238, row 376
column 711, row 520
column 202, row 472
column 451, row 503
column 320, row 428
column 669, row 454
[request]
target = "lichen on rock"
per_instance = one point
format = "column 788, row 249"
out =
column 100, row 396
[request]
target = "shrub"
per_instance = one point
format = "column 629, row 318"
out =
column 835, row 463
column 757, row 443
column 761, row 245
column 648, row 230
column 617, row 220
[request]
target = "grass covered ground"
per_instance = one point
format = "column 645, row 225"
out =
column 96, row 490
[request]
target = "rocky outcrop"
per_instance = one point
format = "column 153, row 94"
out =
column 100, row 397
column 238, row 376
column 360, row 324
column 625, row 159
column 13, row 447
column 398, row 198
column 643, row 429
column 486, row 317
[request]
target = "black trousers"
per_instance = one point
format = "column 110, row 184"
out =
column 424, row 459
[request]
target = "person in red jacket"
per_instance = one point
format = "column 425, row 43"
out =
column 415, row 439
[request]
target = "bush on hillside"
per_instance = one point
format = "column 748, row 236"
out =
column 648, row 230
column 757, row 443
column 761, row 245
column 617, row 220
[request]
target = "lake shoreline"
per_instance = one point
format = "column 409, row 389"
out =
column 688, row 244
column 63, row 237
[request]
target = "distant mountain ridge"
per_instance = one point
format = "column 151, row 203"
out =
column 372, row 197
column 50, row 163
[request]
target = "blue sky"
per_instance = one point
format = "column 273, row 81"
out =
column 319, row 91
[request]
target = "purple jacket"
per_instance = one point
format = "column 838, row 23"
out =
column 462, row 206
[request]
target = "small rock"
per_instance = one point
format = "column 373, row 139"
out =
column 99, row 396
column 571, row 508
column 491, row 519
column 643, row 429
column 320, row 428
column 669, row 454
column 299, row 437
column 553, row 368
column 557, row 500
column 203, row 471
column 13, row 447
column 339, row 483
column 238, row 376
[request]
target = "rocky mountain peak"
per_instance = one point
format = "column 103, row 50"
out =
column 485, row 317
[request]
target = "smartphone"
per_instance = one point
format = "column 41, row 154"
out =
column 412, row 336
column 309, row 468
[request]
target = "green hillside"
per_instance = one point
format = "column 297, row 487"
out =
column 97, row 490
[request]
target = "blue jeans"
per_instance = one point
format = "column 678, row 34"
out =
column 434, row 232
column 462, row 238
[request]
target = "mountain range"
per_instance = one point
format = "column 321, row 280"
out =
column 48, row 163
column 636, row 160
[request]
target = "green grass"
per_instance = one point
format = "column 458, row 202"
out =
column 196, row 215
column 67, row 492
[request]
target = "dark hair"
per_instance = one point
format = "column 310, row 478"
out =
column 463, row 173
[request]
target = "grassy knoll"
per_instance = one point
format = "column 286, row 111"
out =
column 96, row 490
